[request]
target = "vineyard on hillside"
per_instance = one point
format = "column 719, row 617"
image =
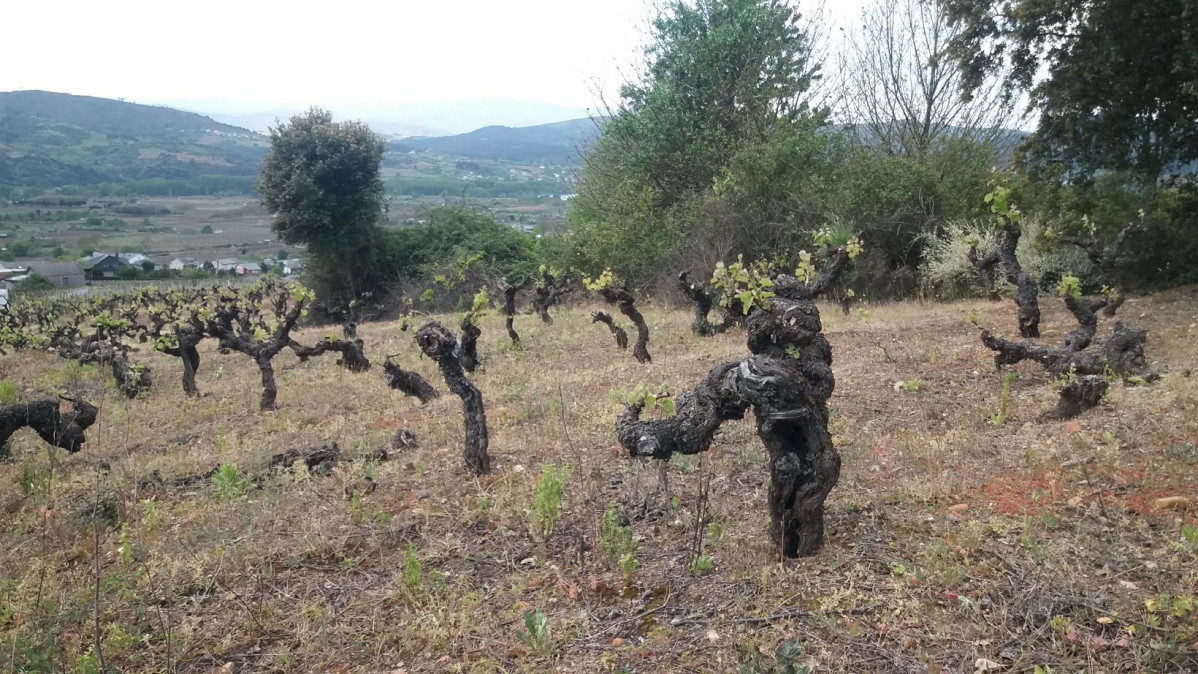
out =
column 229, row 498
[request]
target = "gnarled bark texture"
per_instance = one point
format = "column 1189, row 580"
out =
column 787, row 383
column 353, row 357
column 469, row 347
column 617, row 331
column 65, row 430
column 1026, row 292
column 440, row 345
column 509, row 308
column 703, row 299
column 548, row 292
column 1086, row 370
column 410, row 383
column 625, row 302
column 1106, row 258
column 985, row 269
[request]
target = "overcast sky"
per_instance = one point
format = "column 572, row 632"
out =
column 339, row 54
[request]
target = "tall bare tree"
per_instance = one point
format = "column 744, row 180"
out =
column 902, row 90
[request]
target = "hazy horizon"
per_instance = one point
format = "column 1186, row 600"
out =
column 405, row 62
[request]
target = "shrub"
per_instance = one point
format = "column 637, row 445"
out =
column 616, row 541
column 946, row 272
column 548, row 501
column 229, row 482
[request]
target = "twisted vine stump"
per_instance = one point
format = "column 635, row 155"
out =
column 985, row 269
column 624, row 301
column 440, row 345
column 469, row 346
column 509, row 308
column 188, row 337
column 65, row 430
column 407, row 382
column 1026, row 292
column 131, row 380
column 787, row 382
column 549, row 291
column 617, row 331
column 353, row 356
column 702, row 298
column 1084, row 370
column 1106, row 258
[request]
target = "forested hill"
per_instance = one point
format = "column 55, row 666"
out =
column 556, row 143
column 51, row 139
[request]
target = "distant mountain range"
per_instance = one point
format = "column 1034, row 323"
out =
column 558, row 143
column 393, row 119
column 50, row 139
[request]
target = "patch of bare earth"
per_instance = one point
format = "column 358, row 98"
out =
column 954, row 543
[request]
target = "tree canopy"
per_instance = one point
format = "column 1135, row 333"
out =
column 1115, row 81
column 321, row 180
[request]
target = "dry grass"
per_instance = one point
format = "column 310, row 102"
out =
column 950, row 539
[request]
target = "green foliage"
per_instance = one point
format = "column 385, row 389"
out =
column 1070, row 286
column 413, row 572
column 659, row 400
column 1112, row 80
column 535, row 634
column 911, row 385
column 8, row 392
column 750, row 284
column 1000, row 417
column 702, row 563
column 547, row 501
column 36, row 282
column 604, row 280
column 947, row 274
column 616, row 542
column 229, row 482
column 321, row 180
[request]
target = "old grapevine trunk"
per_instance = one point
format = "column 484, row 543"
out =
column 1026, row 292
column 787, row 382
column 440, row 345
column 509, row 308
column 410, row 383
column 353, row 356
column 624, row 301
column 65, row 430
column 616, row 331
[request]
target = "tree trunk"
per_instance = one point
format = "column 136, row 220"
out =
column 270, row 390
column 625, row 302
column 787, row 382
column 509, row 308
column 1026, row 292
column 985, row 269
column 43, row 416
column 353, row 356
column 617, row 331
column 701, row 299
column 469, row 347
column 410, row 383
column 440, row 345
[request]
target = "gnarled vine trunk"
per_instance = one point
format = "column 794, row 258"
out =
column 353, row 356
column 1106, row 258
column 625, row 302
column 65, row 430
column 408, row 382
column 1026, row 292
column 1084, row 371
column 548, row 293
column 509, row 308
column 703, row 300
column 440, row 345
column 787, row 382
column 616, row 331
column 985, row 269
column 469, row 347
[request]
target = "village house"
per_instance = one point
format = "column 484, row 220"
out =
column 101, row 265
column 292, row 266
column 249, row 269
column 181, row 263
column 225, row 264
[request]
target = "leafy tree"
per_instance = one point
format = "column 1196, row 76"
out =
column 719, row 78
column 322, row 181
column 1115, row 81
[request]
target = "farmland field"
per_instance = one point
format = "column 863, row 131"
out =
column 964, row 535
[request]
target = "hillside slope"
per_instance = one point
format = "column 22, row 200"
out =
column 51, row 139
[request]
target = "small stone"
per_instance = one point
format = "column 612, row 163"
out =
column 618, row 642
column 958, row 509
column 528, row 561
column 1073, row 427
column 712, row 635
column 984, row 665
column 1172, row 503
